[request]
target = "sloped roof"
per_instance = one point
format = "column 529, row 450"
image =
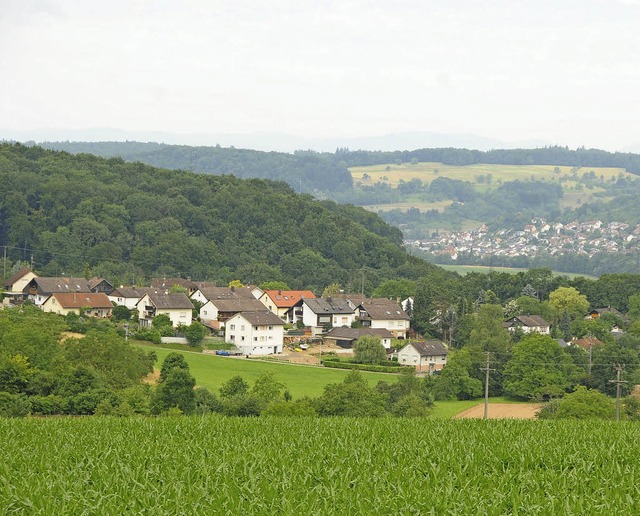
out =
column 262, row 318
column 170, row 301
column 587, row 342
column 429, row 348
column 346, row 333
column 83, row 300
column 62, row 284
column 288, row 298
column 328, row 306
column 527, row 320
column 383, row 308
column 238, row 305
column 211, row 293
column 22, row 272
column 133, row 292
column 167, row 283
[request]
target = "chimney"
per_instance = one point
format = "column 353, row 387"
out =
column 279, row 292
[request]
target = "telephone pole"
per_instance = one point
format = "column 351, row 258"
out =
column 619, row 368
column 486, row 384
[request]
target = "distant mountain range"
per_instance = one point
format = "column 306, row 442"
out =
column 275, row 141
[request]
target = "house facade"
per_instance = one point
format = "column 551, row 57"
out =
column 286, row 304
column 385, row 314
column 319, row 313
column 204, row 294
column 428, row 356
column 39, row 289
column 528, row 324
column 176, row 306
column 15, row 286
column 92, row 304
column 223, row 309
column 255, row 333
column 129, row 296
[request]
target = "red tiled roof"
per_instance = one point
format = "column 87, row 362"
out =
column 288, row 298
column 83, row 300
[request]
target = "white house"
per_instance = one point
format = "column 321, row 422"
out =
column 384, row 314
column 430, row 355
column 255, row 333
column 129, row 296
column 176, row 306
column 528, row 324
column 317, row 313
column 223, row 309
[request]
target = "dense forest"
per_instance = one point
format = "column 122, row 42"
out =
column 75, row 214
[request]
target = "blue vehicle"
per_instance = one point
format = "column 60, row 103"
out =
column 222, row 352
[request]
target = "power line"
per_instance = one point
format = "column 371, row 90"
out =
column 619, row 368
column 487, row 369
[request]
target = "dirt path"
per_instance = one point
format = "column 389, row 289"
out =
column 502, row 411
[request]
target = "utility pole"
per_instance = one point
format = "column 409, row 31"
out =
column 486, row 384
column 4, row 263
column 619, row 368
column 362, row 283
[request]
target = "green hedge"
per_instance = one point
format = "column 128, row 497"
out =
column 335, row 364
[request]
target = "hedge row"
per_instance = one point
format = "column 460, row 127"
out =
column 360, row 367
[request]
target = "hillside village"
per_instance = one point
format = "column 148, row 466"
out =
column 577, row 238
column 253, row 320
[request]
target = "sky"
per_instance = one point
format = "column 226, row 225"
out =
column 561, row 72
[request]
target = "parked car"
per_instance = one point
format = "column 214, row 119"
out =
column 222, row 352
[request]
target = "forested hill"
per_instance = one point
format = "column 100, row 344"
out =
column 309, row 171
column 77, row 214
column 305, row 171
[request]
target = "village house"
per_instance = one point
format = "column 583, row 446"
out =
column 220, row 310
column 255, row 333
column 97, row 284
column 345, row 336
column 176, row 306
column 286, row 304
column 39, row 289
column 15, row 286
column 320, row 313
column 129, row 296
column 528, row 324
column 430, row 355
column 383, row 313
column 204, row 294
column 90, row 304
column 166, row 284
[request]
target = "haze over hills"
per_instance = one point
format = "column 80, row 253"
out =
column 278, row 142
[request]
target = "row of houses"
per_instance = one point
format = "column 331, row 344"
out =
column 253, row 319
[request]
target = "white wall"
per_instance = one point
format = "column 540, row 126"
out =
column 252, row 340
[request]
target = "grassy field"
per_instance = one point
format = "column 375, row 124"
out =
column 218, row 465
column 212, row 371
column 465, row 269
column 404, row 206
column 427, row 172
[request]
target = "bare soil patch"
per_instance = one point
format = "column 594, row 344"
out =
column 152, row 378
column 502, row 411
column 70, row 335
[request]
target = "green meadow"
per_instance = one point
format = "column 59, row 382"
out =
column 212, row 371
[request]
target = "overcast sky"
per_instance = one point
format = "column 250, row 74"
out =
column 565, row 72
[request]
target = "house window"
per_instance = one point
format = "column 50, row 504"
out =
column 242, row 327
column 183, row 315
column 271, row 327
column 255, row 339
column 232, row 326
column 232, row 337
column 255, row 328
column 242, row 338
column 205, row 312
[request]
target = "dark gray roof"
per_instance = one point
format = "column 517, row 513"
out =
column 54, row 285
column 238, row 305
column 212, row 293
column 429, row 348
column 133, row 292
column 328, row 306
column 383, row 308
column 527, row 320
column 171, row 301
column 346, row 333
column 262, row 318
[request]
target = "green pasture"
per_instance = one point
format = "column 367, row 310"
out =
column 427, row 172
column 218, row 465
column 405, row 206
column 212, row 371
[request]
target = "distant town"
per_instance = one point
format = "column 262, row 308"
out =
column 582, row 238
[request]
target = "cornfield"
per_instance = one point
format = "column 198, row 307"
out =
column 217, row 465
